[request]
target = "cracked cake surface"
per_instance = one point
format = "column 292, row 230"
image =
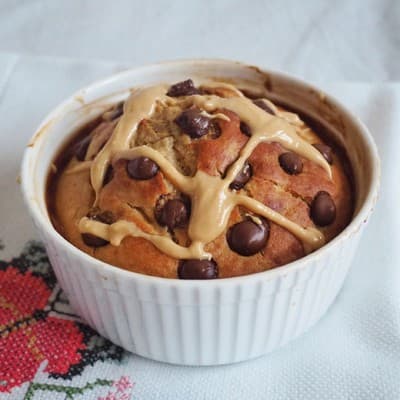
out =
column 199, row 182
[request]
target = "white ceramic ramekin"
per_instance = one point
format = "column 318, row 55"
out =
column 201, row 322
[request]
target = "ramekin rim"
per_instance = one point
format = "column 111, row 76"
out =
column 283, row 270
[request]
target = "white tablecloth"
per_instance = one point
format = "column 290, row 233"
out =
column 319, row 40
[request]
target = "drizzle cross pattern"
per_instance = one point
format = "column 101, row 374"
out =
column 211, row 198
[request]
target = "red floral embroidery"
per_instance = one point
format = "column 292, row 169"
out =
column 28, row 334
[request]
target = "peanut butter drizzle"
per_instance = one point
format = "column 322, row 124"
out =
column 223, row 85
column 101, row 135
column 139, row 106
column 212, row 200
column 290, row 117
column 79, row 167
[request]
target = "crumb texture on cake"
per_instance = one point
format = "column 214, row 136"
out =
column 192, row 139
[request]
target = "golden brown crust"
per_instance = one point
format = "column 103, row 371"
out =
column 215, row 155
column 135, row 200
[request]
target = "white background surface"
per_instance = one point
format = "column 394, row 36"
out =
column 50, row 48
column 318, row 40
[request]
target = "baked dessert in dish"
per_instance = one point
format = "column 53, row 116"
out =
column 199, row 182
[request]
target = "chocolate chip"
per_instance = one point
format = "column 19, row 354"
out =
column 245, row 129
column 141, row 168
column 242, row 177
column 193, row 123
column 174, row 214
column 247, row 237
column 81, row 148
column 325, row 150
column 106, row 217
column 263, row 105
column 184, row 88
column 93, row 241
column 197, row 269
column 216, row 130
column 109, row 175
column 323, row 209
column 291, row 163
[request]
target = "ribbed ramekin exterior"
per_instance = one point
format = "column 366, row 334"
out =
column 207, row 324
column 200, row 322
